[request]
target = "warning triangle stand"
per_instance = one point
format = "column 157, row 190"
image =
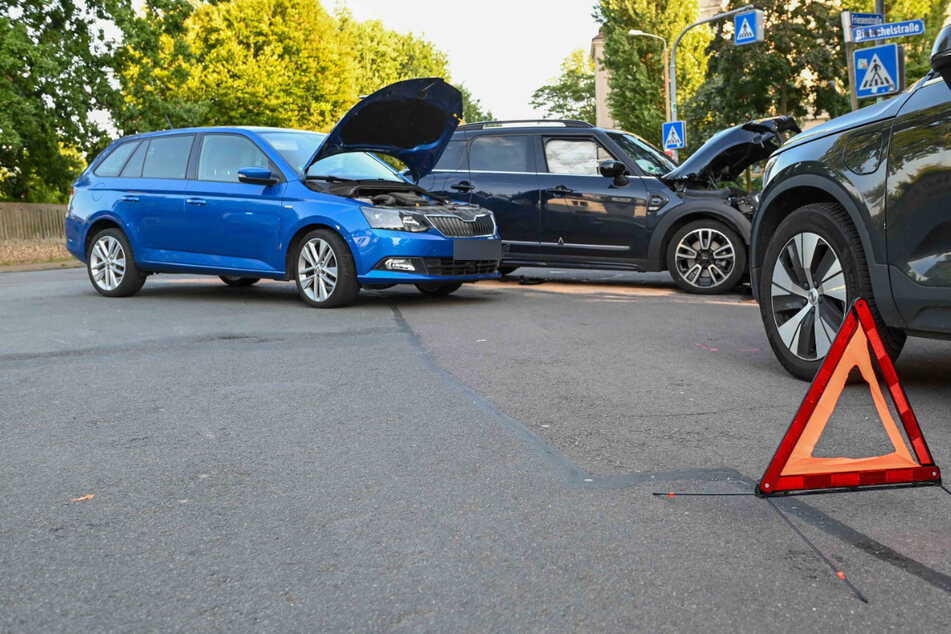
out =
column 793, row 468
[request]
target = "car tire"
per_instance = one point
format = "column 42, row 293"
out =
column 111, row 265
column 507, row 270
column 239, row 282
column 437, row 289
column 801, row 315
column 693, row 262
column 324, row 271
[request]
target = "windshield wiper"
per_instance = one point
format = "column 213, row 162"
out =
column 329, row 179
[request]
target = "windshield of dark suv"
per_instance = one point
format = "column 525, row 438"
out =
column 647, row 158
column 296, row 147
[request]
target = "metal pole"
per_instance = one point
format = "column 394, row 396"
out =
column 673, row 58
column 849, row 61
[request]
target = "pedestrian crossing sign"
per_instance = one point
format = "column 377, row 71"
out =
column 876, row 71
column 673, row 134
column 748, row 28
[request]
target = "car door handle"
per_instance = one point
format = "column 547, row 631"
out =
column 463, row 186
column 195, row 201
column 559, row 190
column 130, row 199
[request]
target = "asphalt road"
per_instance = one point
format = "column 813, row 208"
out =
column 479, row 462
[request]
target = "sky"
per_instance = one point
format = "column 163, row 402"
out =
column 501, row 50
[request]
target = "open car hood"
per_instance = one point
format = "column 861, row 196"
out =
column 411, row 120
column 730, row 151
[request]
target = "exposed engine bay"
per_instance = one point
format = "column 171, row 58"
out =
column 398, row 195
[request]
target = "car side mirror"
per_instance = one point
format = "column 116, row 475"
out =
column 941, row 55
column 256, row 176
column 614, row 169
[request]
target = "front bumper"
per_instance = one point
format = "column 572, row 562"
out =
column 435, row 257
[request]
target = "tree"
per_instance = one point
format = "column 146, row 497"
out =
column 571, row 94
column 635, row 64
column 798, row 70
column 472, row 109
column 52, row 55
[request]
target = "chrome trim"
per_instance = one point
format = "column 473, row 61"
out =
column 608, row 247
column 461, row 219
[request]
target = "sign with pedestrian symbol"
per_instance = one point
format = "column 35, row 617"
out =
column 673, row 134
column 876, row 71
column 748, row 28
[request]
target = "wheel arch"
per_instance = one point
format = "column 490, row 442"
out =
column 296, row 238
column 100, row 223
column 689, row 212
column 805, row 189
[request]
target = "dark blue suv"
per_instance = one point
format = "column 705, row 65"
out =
column 567, row 194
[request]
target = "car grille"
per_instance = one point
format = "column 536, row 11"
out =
column 456, row 227
column 448, row 266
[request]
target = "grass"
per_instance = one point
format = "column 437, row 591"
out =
column 33, row 252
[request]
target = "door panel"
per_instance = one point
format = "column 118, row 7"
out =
column 582, row 212
column 918, row 207
column 233, row 224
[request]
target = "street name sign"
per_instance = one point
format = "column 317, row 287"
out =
column 748, row 27
column 886, row 31
column 866, row 19
column 673, row 135
column 876, row 71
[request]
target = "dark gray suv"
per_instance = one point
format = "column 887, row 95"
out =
column 859, row 207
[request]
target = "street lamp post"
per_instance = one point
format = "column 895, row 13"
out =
column 636, row 32
column 673, row 57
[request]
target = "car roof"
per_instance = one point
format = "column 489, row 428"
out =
column 546, row 126
column 235, row 128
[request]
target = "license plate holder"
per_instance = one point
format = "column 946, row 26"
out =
column 476, row 249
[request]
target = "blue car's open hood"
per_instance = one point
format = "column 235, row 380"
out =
column 411, row 120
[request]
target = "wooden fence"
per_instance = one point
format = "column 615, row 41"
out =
column 31, row 221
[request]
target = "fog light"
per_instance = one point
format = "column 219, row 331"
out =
column 399, row 264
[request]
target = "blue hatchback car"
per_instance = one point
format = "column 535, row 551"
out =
column 248, row 203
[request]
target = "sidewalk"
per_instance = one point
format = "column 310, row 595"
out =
column 40, row 266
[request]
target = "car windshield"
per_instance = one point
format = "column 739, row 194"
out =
column 646, row 156
column 296, row 147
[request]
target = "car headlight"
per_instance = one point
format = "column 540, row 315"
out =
column 395, row 219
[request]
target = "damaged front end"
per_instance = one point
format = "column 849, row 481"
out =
column 725, row 156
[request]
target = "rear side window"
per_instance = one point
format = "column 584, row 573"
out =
column 222, row 155
column 113, row 163
column 133, row 167
column 501, row 153
column 574, row 156
column 167, row 157
column 453, row 158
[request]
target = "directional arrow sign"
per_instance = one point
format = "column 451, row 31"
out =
column 876, row 71
column 748, row 28
column 673, row 134
column 886, row 31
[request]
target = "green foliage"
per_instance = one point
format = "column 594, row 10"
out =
column 571, row 94
column 472, row 109
column 51, row 82
column 798, row 70
column 636, row 63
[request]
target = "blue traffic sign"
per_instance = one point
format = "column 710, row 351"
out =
column 886, row 31
column 876, row 71
column 673, row 134
column 748, row 27
column 865, row 19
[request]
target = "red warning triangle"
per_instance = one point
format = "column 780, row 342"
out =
column 793, row 468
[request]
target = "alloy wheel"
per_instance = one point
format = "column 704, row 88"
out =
column 107, row 263
column 317, row 269
column 705, row 257
column 809, row 295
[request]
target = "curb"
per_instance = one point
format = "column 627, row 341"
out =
column 40, row 266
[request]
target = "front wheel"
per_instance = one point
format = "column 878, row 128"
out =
column 813, row 269
column 706, row 257
column 438, row 290
column 326, row 275
column 111, row 266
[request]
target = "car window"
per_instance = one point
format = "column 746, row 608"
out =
column 167, row 157
column 453, row 157
column 133, row 167
column 574, row 156
column 501, row 153
column 222, row 155
column 296, row 147
column 649, row 159
column 113, row 163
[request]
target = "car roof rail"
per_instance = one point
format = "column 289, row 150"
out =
column 509, row 123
